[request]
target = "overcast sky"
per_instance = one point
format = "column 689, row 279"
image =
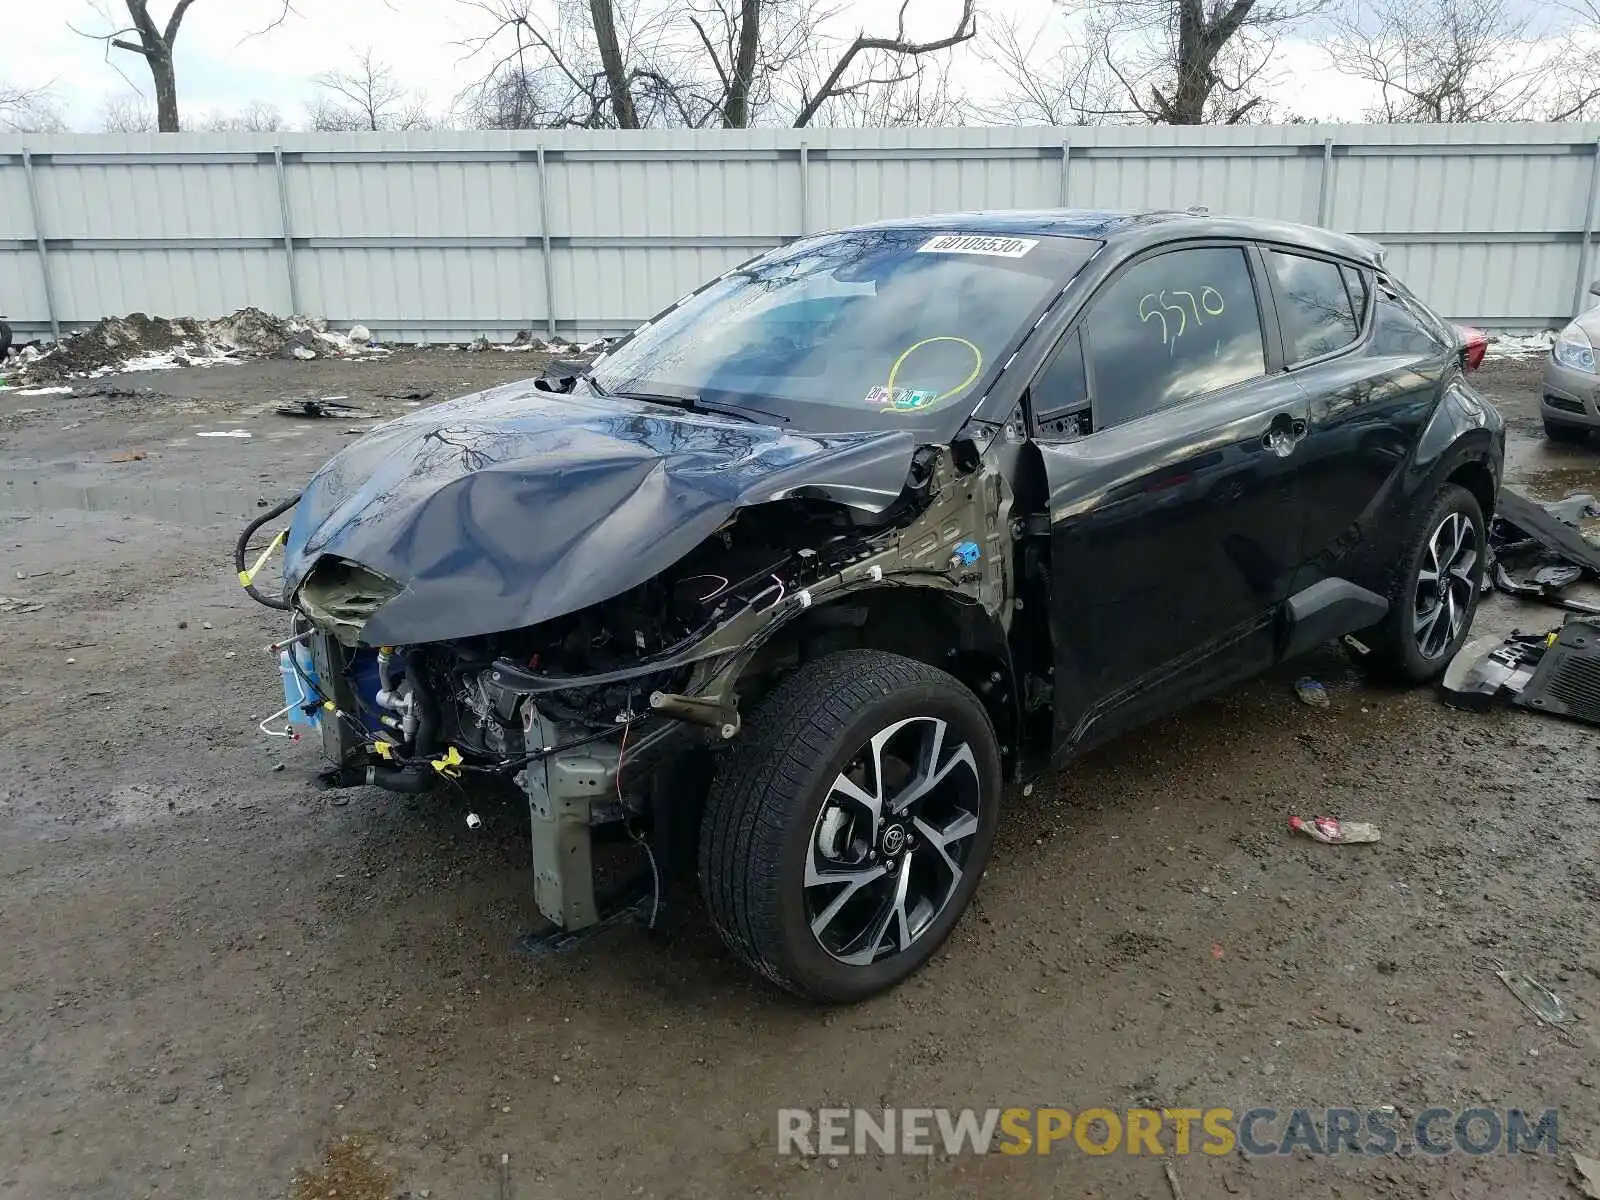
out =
column 221, row 68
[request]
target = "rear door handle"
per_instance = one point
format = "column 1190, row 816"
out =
column 1283, row 435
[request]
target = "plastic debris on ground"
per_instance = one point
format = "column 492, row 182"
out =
column 1489, row 671
column 225, row 433
column 1536, row 998
column 1566, row 681
column 1333, row 831
column 325, row 407
column 1545, row 544
column 1311, row 692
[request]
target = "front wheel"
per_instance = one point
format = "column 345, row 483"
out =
column 1434, row 589
column 848, row 829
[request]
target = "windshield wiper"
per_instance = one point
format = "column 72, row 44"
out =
column 691, row 403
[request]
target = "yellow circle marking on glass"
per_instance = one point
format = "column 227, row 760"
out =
column 977, row 366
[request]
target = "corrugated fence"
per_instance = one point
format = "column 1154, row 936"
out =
column 444, row 236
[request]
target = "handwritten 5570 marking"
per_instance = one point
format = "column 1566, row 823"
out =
column 1209, row 304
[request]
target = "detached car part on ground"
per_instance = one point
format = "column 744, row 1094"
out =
column 799, row 575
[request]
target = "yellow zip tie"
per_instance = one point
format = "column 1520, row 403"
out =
column 450, row 765
column 246, row 577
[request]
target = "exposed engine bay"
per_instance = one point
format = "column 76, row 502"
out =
column 587, row 711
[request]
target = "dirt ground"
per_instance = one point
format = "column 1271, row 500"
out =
column 217, row 982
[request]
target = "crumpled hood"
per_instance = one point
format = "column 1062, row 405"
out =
column 516, row 505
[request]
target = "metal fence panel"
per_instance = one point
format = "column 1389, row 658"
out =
column 443, row 236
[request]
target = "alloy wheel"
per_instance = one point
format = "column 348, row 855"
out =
column 1446, row 582
column 890, row 846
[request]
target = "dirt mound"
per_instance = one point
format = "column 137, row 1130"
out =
column 109, row 344
column 141, row 343
column 251, row 331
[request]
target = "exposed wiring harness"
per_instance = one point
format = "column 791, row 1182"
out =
column 248, row 574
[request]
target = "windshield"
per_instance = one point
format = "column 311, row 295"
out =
column 863, row 330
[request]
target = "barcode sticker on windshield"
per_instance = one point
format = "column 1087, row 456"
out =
column 972, row 243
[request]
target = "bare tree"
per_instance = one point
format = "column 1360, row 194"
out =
column 631, row 64
column 256, row 117
column 869, row 61
column 1465, row 60
column 126, row 114
column 29, row 110
column 153, row 42
column 1172, row 62
column 369, row 97
column 920, row 95
column 550, row 74
column 1047, row 79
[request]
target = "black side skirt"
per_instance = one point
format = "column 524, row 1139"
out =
column 1329, row 609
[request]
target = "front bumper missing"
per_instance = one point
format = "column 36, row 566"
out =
column 562, row 792
column 572, row 791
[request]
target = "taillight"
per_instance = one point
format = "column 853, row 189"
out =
column 1474, row 345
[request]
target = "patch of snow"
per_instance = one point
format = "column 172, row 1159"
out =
column 191, row 354
column 1513, row 345
column 44, row 391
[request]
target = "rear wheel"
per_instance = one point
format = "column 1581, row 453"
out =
column 1560, row 431
column 1433, row 593
column 846, row 834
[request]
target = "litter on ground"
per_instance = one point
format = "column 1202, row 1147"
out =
column 1334, row 831
column 1311, row 692
column 325, row 408
column 1536, row 998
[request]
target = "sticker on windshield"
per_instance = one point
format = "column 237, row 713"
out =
column 971, row 243
column 902, row 399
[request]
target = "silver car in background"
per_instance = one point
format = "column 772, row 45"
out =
column 1570, row 405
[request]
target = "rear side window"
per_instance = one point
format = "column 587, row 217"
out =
column 1170, row 328
column 1355, row 282
column 1316, row 310
column 1402, row 326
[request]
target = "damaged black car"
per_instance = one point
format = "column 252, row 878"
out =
column 792, row 583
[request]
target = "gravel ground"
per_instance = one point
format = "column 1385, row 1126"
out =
column 218, row 982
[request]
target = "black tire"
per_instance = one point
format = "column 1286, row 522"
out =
column 1560, row 431
column 1397, row 644
column 764, row 822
